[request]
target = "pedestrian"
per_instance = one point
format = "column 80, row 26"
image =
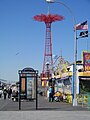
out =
column 5, row 93
column 9, row 92
column 51, row 93
column 1, row 93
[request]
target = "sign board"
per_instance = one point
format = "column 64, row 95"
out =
column 85, row 73
column 86, row 61
column 23, row 84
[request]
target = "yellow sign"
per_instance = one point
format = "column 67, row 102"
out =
column 84, row 73
column 87, row 68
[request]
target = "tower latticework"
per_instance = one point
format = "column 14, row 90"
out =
column 48, row 20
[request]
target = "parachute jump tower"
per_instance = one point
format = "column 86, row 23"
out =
column 48, row 61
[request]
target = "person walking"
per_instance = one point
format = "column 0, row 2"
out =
column 1, row 93
column 51, row 93
column 9, row 92
column 5, row 93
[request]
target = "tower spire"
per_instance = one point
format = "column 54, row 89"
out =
column 48, row 9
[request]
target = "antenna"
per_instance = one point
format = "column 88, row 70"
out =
column 48, row 9
column 49, row 1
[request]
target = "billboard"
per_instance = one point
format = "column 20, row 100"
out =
column 86, row 61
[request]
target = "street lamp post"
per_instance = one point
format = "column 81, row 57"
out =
column 48, row 74
column 75, row 48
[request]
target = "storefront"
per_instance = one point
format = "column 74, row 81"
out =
column 84, row 81
column 64, row 85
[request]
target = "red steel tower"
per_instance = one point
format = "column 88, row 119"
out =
column 48, row 61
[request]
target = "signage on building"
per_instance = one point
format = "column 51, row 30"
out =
column 86, row 73
column 86, row 61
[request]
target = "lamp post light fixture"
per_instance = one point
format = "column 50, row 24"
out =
column 50, row 1
column 75, row 48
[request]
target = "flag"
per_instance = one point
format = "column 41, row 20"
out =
column 82, row 26
column 84, row 34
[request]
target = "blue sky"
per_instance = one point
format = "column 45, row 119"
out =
column 22, row 38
